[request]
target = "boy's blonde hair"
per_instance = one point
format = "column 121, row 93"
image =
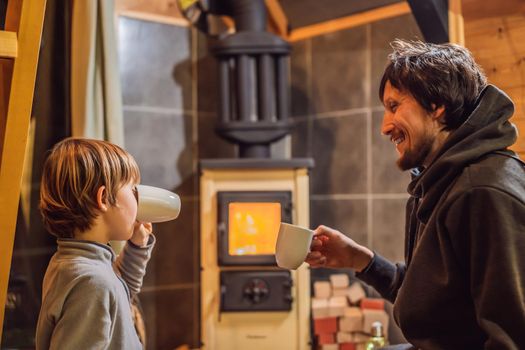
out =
column 73, row 172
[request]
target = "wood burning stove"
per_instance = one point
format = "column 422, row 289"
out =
column 247, row 302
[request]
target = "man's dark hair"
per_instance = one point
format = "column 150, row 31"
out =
column 436, row 75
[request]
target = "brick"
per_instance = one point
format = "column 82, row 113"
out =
column 322, row 289
column 325, row 325
column 344, row 337
column 340, row 292
column 326, row 338
column 347, row 346
column 356, row 293
column 374, row 304
column 353, row 311
column 352, row 320
column 360, row 346
column 360, row 338
column 319, row 308
column 336, row 306
column 340, row 280
column 330, row 347
column 371, row 316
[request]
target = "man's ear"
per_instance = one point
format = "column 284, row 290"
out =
column 102, row 198
column 438, row 113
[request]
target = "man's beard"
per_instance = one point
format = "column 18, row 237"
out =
column 416, row 155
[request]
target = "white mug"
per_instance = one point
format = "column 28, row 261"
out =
column 157, row 204
column 293, row 244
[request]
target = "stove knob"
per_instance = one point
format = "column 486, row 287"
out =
column 256, row 291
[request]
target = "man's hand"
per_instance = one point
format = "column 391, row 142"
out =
column 331, row 248
column 141, row 232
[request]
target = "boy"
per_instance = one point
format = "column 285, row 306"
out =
column 88, row 197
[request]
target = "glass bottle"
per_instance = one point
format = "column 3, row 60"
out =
column 377, row 340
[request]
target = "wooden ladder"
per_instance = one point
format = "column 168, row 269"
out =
column 19, row 48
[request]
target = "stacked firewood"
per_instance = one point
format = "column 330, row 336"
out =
column 343, row 315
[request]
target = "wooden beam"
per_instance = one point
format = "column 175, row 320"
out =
column 12, row 18
column 355, row 20
column 14, row 141
column 155, row 17
column 8, row 44
column 6, row 72
column 160, row 11
column 277, row 17
column 456, row 28
column 432, row 19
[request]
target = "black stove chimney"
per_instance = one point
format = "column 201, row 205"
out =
column 248, row 15
column 253, row 74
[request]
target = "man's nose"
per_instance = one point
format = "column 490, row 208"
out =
column 386, row 125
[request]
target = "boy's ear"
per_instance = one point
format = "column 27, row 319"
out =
column 102, row 198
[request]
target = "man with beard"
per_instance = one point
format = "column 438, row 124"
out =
column 462, row 284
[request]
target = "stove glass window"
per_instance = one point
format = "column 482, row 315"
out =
column 253, row 227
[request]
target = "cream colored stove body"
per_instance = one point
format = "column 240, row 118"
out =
column 287, row 330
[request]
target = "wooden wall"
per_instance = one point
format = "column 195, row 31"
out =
column 498, row 45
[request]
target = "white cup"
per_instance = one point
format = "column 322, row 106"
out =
column 157, row 204
column 293, row 244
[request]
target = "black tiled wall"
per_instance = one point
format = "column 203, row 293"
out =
column 338, row 70
column 338, row 146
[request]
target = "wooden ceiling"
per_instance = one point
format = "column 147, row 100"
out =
column 476, row 9
column 301, row 13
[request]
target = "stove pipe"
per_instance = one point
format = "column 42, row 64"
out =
column 248, row 15
column 253, row 79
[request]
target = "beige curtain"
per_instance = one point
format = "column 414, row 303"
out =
column 96, row 98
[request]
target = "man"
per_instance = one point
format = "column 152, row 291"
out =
column 462, row 284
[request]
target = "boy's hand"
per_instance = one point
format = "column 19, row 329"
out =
column 141, row 232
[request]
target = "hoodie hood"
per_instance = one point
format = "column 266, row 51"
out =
column 486, row 130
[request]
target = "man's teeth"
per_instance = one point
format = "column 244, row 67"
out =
column 398, row 140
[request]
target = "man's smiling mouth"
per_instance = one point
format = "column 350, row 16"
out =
column 398, row 138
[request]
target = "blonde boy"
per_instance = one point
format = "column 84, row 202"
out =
column 88, row 197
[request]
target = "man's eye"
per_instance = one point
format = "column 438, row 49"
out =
column 393, row 107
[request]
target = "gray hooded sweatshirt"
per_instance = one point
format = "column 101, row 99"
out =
column 86, row 296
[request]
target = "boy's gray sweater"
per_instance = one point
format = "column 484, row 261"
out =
column 86, row 296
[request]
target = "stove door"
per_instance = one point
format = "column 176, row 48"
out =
column 248, row 225
column 256, row 291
